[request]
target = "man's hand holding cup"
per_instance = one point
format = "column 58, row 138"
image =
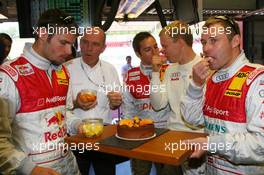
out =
column 86, row 99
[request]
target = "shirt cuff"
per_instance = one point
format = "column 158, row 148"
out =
column 195, row 91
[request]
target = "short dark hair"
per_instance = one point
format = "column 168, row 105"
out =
column 138, row 38
column 5, row 36
column 57, row 18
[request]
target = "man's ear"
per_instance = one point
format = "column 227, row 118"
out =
column 236, row 40
column 43, row 33
column 103, row 49
column 182, row 42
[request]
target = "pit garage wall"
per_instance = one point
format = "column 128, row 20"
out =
column 254, row 38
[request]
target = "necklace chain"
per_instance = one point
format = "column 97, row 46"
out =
column 87, row 76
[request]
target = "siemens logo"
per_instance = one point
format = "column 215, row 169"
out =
column 215, row 127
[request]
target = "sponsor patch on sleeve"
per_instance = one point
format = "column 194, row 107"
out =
column 254, row 74
column 10, row 71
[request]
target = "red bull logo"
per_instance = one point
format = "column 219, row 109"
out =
column 55, row 120
column 51, row 136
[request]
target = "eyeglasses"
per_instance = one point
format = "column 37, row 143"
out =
column 67, row 19
column 230, row 21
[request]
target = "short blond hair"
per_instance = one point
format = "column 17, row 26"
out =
column 226, row 22
column 178, row 29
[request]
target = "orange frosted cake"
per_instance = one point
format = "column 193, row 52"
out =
column 135, row 128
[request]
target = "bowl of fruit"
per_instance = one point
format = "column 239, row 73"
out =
column 88, row 95
column 93, row 127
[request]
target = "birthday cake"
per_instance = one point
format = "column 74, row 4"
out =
column 135, row 128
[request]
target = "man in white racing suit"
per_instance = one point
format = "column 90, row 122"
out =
column 226, row 95
column 136, row 94
column 177, row 48
column 35, row 85
column 137, row 84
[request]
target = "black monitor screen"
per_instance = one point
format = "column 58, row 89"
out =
column 186, row 10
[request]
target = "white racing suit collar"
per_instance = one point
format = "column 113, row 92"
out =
column 37, row 60
column 146, row 69
column 226, row 73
